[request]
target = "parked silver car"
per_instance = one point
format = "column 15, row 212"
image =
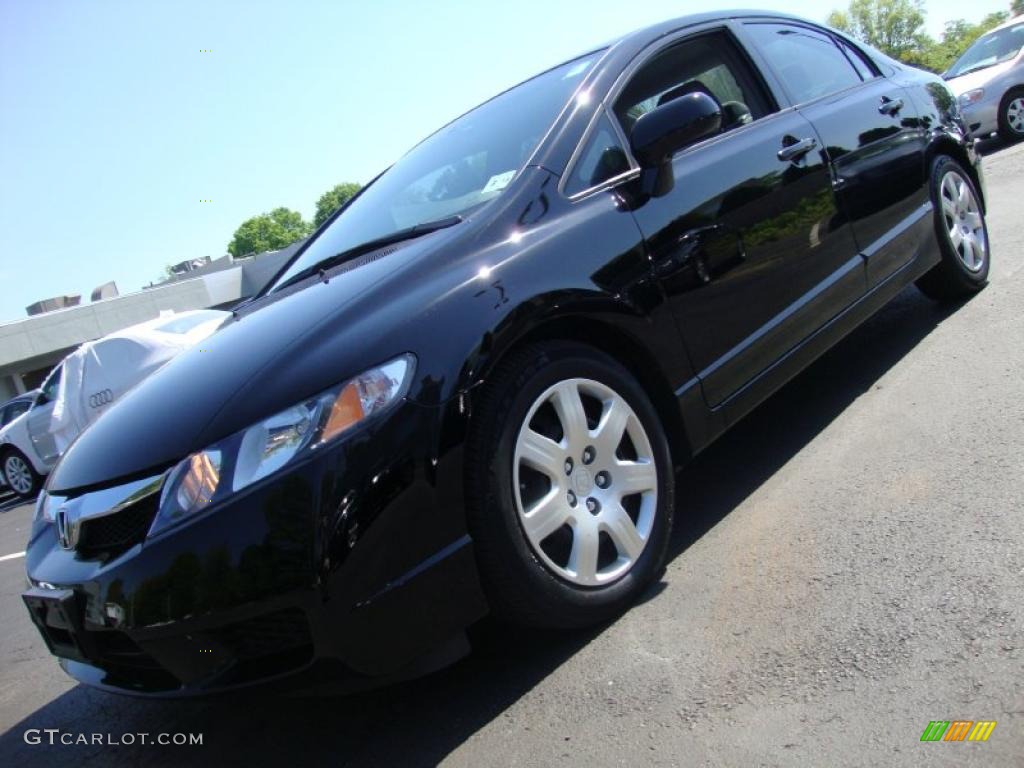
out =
column 988, row 79
column 11, row 410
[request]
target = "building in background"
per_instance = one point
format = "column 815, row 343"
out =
column 49, row 305
column 105, row 291
column 30, row 347
column 184, row 267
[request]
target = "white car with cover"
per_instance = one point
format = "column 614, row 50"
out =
column 84, row 385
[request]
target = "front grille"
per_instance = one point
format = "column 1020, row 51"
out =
column 111, row 534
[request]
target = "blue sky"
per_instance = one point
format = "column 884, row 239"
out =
column 115, row 125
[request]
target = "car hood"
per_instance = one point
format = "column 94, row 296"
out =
column 258, row 363
column 978, row 79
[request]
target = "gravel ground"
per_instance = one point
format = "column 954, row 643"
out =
column 849, row 567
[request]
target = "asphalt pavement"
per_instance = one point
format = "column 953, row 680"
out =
column 848, row 567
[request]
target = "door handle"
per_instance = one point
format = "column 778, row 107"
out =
column 890, row 106
column 794, row 150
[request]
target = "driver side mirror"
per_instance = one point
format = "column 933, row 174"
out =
column 41, row 399
column 665, row 130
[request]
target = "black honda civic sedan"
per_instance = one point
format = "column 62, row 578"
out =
column 470, row 390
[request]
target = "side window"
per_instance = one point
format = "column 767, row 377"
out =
column 51, row 383
column 14, row 410
column 602, row 158
column 808, row 62
column 863, row 67
column 709, row 63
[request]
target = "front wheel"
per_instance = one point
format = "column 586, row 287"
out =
column 962, row 234
column 1011, row 115
column 570, row 485
column 19, row 474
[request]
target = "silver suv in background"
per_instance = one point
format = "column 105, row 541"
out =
column 988, row 79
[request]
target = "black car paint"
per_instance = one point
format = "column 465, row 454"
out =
column 368, row 539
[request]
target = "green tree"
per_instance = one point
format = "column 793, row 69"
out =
column 268, row 232
column 332, row 200
column 957, row 37
column 1016, row 7
column 895, row 27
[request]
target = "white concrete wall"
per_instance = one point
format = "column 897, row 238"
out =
column 63, row 328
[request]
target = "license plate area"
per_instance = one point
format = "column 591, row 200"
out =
column 58, row 616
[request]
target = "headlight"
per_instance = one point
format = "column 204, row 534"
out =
column 972, row 97
column 266, row 447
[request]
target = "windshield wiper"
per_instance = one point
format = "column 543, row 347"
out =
column 401, row 235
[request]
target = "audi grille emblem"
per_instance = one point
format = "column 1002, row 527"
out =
column 101, row 398
column 67, row 530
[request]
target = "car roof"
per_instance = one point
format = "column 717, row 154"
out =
column 1012, row 22
column 654, row 31
column 641, row 36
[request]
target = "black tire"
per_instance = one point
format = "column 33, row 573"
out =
column 952, row 278
column 1013, row 97
column 13, row 454
column 520, row 587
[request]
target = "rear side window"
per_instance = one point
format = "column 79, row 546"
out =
column 809, row 63
column 861, row 64
column 601, row 159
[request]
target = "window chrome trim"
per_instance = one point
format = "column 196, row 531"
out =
column 634, row 167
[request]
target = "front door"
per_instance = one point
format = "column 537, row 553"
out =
column 748, row 245
column 39, row 417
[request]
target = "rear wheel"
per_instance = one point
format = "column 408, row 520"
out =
column 962, row 233
column 19, row 474
column 1011, row 115
column 571, row 487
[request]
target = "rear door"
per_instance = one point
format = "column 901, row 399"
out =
column 748, row 245
column 870, row 130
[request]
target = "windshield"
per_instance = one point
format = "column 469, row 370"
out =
column 993, row 48
column 464, row 165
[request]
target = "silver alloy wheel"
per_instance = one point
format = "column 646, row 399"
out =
column 585, row 484
column 1015, row 115
column 18, row 474
column 961, row 216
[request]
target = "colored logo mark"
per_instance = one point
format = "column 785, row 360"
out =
column 958, row 730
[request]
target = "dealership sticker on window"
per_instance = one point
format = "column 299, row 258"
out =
column 498, row 182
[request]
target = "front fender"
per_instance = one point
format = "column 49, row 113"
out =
column 543, row 262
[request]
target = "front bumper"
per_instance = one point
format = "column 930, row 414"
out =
column 982, row 118
column 354, row 565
